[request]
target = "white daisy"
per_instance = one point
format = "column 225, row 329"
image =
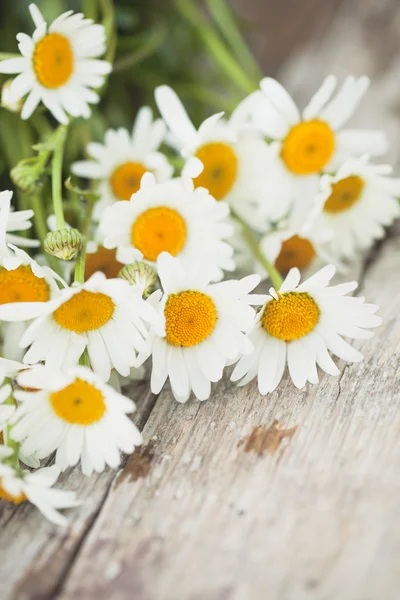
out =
column 121, row 161
column 25, row 286
column 229, row 157
column 17, row 486
column 299, row 325
column 170, row 217
column 106, row 316
column 16, row 220
column 304, row 145
column 59, row 66
column 298, row 242
column 358, row 203
column 78, row 415
column 200, row 327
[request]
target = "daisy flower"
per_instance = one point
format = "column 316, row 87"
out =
column 121, row 161
column 102, row 259
column 358, row 203
column 25, row 286
column 17, row 220
column 106, row 316
column 18, row 486
column 305, row 145
column 228, row 157
column 75, row 413
column 170, row 217
column 299, row 325
column 59, row 66
column 200, row 327
column 298, row 242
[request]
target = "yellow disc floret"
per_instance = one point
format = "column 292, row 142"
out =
column 53, row 60
column 295, row 252
column 85, row 311
column 80, row 403
column 4, row 495
column 308, row 147
column 290, row 317
column 345, row 193
column 190, row 317
column 160, row 229
column 22, row 285
column 220, row 168
column 103, row 260
column 125, row 180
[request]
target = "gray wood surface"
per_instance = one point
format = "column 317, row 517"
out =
column 292, row 496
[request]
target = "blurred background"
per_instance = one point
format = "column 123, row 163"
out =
column 213, row 52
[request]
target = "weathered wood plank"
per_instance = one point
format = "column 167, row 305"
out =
column 316, row 519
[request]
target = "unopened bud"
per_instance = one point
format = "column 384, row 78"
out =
column 63, row 243
column 27, row 175
column 8, row 99
column 140, row 273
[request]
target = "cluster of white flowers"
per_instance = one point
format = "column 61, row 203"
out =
column 269, row 190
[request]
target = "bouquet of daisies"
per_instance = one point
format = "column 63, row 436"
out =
column 173, row 230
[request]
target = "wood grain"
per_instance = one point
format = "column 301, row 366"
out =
column 193, row 516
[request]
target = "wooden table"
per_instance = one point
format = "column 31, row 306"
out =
column 293, row 496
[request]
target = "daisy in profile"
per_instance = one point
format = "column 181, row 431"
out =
column 25, row 286
column 19, row 486
column 229, row 157
column 358, row 203
column 75, row 413
column 102, row 259
column 200, row 327
column 305, row 145
column 106, row 316
column 121, row 161
column 170, row 217
column 298, row 242
column 58, row 65
column 17, row 220
column 299, row 325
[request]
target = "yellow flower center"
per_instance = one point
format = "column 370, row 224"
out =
column 220, row 169
column 159, row 229
column 53, row 60
column 85, row 311
column 4, row 495
column 103, row 260
column 125, row 180
column 308, row 147
column 295, row 252
column 345, row 193
column 80, row 403
column 290, row 317
column 190, row 317
column 22, row 285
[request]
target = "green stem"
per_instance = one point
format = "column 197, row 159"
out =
column 254, row 246
column 80, row 265
column 223, row 17
column 8, row 441
column 56, row 176
column 108, row 11
column 90, row 9
column 7, row 55
column 193, row 14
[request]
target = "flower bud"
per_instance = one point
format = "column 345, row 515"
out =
column 27, row 175
column 8, row 99
column 140, row 273
column 63, row 243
